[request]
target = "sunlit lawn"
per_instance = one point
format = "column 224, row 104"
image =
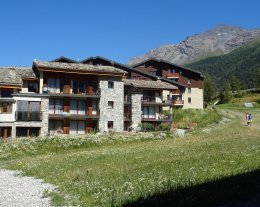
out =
column 115, row 174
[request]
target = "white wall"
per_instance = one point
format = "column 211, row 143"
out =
column 196, row 96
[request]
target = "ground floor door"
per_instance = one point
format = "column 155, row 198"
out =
column 5, row 132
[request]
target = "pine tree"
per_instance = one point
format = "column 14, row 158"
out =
column 235, row 84
column 209, row 88
column 224, row 95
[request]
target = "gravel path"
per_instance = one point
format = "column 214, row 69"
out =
column 18, row 191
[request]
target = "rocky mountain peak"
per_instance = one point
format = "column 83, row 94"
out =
column 221, row 39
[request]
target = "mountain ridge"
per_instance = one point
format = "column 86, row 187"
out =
column 219, row 40
column 242, row 63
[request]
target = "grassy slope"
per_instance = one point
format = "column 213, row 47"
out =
column 238, row 103
column 242, row 63
column 119, row 173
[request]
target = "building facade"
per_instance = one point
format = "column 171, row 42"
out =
column 64, row 96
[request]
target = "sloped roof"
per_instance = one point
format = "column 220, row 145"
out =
column 14, row 75
column 73, row 67
column 165, row 61
column 64, row 60
column 131, row 69
column 149, row 84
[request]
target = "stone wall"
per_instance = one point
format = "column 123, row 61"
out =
column 45, row 116
column 116, row 95
column 136, row 99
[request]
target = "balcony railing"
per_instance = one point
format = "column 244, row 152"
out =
column 159, row 117
column 156, row 100
column 173, row 75
column 178, row 102
column 87, row 91
column 28, row 116
column 79, row 114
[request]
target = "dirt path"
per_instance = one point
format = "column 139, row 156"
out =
column 241, row 116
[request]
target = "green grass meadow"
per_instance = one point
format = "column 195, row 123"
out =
column 128, row 171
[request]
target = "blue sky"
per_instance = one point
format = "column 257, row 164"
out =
column 118, row 30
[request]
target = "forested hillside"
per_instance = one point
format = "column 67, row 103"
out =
column 242, row 63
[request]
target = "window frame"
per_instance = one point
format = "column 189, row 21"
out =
column 110, row 84
column 9, row 108
column 110, row 104
column 110, row 123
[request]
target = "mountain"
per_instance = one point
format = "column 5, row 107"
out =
column 217, row 41
column 242, row 63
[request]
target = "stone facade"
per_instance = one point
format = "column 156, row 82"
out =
column 116, row 95
column 136, row 99
column 45, row 116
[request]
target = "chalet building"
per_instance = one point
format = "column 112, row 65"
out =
column 96, row 94
column 189, row 96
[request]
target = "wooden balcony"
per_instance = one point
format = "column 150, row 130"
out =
column 87, row 94
column 173, row 75
column 176, row 92
column 178, row 102
column 160, row 118
column 87, row 115
column 159, row 101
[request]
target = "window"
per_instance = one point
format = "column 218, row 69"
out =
column 148, row 112
column 189, row 100
column 54, row 85
column 6, row 92
column 28, row 111
column 110, row 124
column 171, row 70
column 5, row 107
column 189, row 81
column 55, row 106
column 180, row 72
column 110, row 84
column 110, row 104
column 77, row 127
column 27, row 131
column 55, row 127
column 189, row 90
column 33, row 87
column 78, row 86
column 77, row 107
column 5, row 132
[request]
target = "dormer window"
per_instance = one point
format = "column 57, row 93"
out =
column 110, row 84
column 171, row 71
column 33, row 87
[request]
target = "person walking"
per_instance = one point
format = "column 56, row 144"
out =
column 250, row 119
column 247, row 119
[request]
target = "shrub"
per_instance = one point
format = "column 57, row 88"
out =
column 239, row 94
column 147, row 127
column 165, row 127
